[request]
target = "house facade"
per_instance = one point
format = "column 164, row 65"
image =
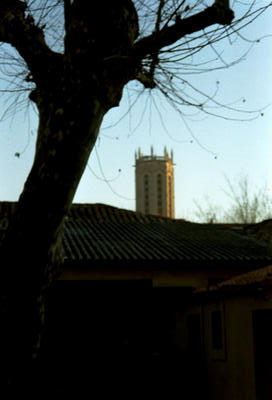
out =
column 230, row 325
column 123, row 303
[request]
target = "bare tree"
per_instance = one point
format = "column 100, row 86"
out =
column 72, row 60
column 248, row 205
column 207, row 211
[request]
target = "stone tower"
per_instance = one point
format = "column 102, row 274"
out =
column 155, row 184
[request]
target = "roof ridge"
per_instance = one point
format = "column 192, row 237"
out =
column 104, row 212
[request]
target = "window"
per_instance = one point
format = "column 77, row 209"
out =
column 146, row 194
column 146, row 180
column 217, row 332
column 170, row 195
column 159, row 194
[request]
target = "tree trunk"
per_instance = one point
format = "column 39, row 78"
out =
column 73, row 93
column 31, row 252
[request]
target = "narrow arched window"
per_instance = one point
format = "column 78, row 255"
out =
column 159, row 194
column 170, row 195
column 146, row 193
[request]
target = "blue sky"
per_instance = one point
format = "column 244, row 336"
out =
column 205, row 147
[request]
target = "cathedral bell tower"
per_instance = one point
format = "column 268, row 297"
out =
column 154, row 178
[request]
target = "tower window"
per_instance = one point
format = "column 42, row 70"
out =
column 159, row 179
column 146, row 180
column 159, row 194
column 170, row 195
column 146, row 193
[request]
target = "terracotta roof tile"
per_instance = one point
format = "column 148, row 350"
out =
column 261, row 275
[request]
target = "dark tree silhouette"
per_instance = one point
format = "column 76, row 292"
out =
column 74, row 58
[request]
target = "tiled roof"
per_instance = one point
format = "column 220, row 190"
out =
column 105, row 213
column 262, row 275
column 258, row 278
column 103, row 234
column 261, row 230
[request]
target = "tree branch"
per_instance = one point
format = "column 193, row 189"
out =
column 20, row 31
column 155, row 58
column 146, row 79
column 216, row 14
